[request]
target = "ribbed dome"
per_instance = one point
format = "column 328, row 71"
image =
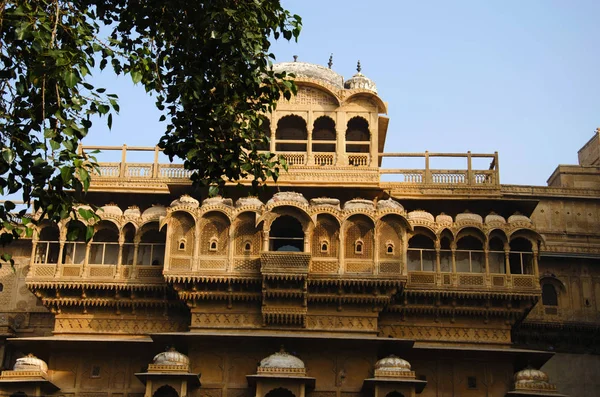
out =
column 360, row 81
column 312, row 71
column 282, row 360
column 171, row 357
column 30, row 363
column 393, row 363
column 530, row 375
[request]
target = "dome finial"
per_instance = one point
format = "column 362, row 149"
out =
column 358, row 68
column 295, row 58
column 330, row 63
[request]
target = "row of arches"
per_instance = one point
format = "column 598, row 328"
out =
column 144, row 246
column 292, row 134
column 471, row 251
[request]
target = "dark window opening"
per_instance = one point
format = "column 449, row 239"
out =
column 248, row 247
column 549, row 295
column 324, row 130
column 471, row 382
column 95, row 372
column 357, row 131
column 291, row 128
column 358, row 247
column 213, row 245
column 286, row 235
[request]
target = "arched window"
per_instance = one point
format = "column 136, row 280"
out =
column 358, row 247
column 74, row 249
column 265, row 129
column 496, row 257
column 292, row 129
column 521, row 256
column 324, row 247
column 247, row 246
column 324, row 137
column 357, row 136
column 286, row 235
column 213, row 244
column 104, row 250
column 389, row 248
column 48, row 245
column 182, row 242
column 470, row 257
column 151, row 250
column 421, row 253
column 549, row 295
column 128, row 244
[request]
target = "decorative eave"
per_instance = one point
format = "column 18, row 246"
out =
column 481, row 294
column 306, row 380
column 193, row 380
column 33, row 378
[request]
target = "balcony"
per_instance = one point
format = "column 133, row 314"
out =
column 308, row 168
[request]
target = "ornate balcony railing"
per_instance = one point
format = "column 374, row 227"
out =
column 468, row 176
column 473, row 281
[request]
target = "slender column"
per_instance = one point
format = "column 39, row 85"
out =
column 230, row 248
column 454, row 273
column 119, row 271
column 438, row 254
column 59, row 264
column 427, row 170
column 136, row 246
column 486, row 253
column 266, row 240
column 536, row 270
column 507, row 259
column 376, row 247
column 309, row 131
column 469, row 169
column 155, row 165
column 88, row 247
column 273, row 131
column 148, row 388
column 373, row 129
column 123, row 161
column 306, row 241
column 184, row 388
column 340, row 131
column 342, row 250
column 196, row 248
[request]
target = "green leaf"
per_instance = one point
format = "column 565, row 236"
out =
column 71, row 78
column 8, row 155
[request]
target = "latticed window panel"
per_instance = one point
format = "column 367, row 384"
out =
column 317, row 266
column 416, row 278
column 180, row 264
column 214, row 235
column 247, row 265
column 326, row 233
column 247, row 237
column 390, row 267
column 359, row 230
column 471, row 279
column 183, row 232
column 359, row 267
column 523, row 282
column 390, row 241
column 212, row 264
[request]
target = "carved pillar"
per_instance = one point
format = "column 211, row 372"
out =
column 88, row 247
column 438, row 254
column 273, row 131
column 454, row 273
column 342, row 251
column 309, row 131
column 230, row 248
column 265, row 247
column 119, row 271
column 486, row 254
column 373, row 129
column 376, row 250
column 196, row 248
column 507, row 259
column 340, row 130
column 136, row 246
column 59, row 263
column 536, row 270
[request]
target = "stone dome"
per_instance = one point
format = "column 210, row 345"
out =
column 360, row 81
column 112, row 209
column 185, row 200
column 311, row 71
column 389, row 204
column 133, row 210
column 359, row 203
column 281, row 360
column 171, row 357
column 30, row 363
column 531, row 376
column 392, row 363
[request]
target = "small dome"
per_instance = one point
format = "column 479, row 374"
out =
column 312, row 71
column 332, row 202
column 359, row 203
column 133, row 210
column 531, row 375
column 420, row 215
column 112, row 209
column 248, row 201
column 282, row 360
column 392, row 363
column 185, row 200
column 218, row 200
column 171, row 357
column 518, row 218
column 288, row 196
column 156, row 211
column 468, row 217
column 360, row 81
column 443, row 219
column 30, row 363
column 389, row 204
column 494, row 218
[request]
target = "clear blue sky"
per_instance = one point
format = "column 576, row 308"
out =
column 518, row 77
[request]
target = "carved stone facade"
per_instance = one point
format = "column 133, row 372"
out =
column 345, row 263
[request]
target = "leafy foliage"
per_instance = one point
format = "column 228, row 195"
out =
column 207, row 62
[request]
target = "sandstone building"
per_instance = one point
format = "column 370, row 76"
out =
column 344, row 279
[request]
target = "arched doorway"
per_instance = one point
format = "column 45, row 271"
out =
column 165, row 391
column 280, row 392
